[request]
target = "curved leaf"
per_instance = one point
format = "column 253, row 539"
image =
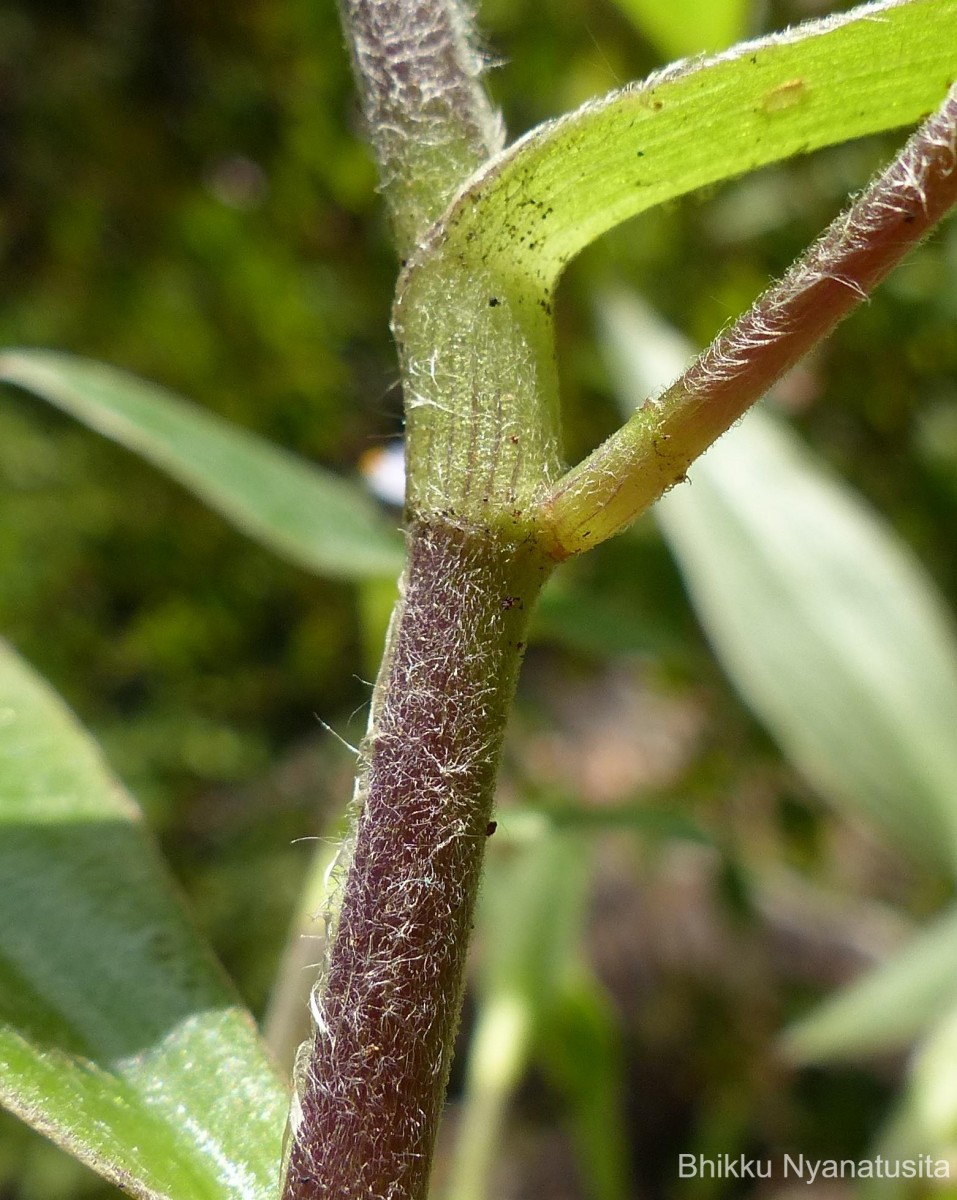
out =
column 829, row 629
column 304, row 514
column 491, row 263
column 120, row 1037
column 697, row 123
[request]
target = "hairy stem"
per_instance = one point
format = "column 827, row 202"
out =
column 388, row 1007
column 430, row 121
column 651, row 453
column 371, row 1086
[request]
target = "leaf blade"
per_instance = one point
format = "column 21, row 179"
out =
column 309, row 516
column 120, row 1037
column 887, row 1008
column 529, row 920
column 567, row 182
column 830, row 630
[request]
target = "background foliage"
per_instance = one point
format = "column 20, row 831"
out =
column 186, row 194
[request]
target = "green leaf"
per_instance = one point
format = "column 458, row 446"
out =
column 582, row 1054
column 120, row 1037
column 528, row 927
column 925, row 1120
column 695, row 124
column 889, row 1007
column 304, row 514
column 683, row 27
column 828, row 627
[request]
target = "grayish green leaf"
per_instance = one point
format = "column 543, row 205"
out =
column 306, row 515
column 828, row 627
column 120, row 1037
column 528, row 927
column 890, row 1007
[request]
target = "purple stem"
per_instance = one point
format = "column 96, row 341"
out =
column 388, row 1006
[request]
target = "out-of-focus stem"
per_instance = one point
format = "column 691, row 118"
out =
column 430, row 121
column 286, row 1022
column 651, row 453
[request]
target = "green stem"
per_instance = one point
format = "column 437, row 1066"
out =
column 651, row 453
column 388, row 1006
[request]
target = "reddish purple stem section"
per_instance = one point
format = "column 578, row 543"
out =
column 389, row 1005
column 857, row 251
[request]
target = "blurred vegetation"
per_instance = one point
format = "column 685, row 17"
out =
column 185, row 193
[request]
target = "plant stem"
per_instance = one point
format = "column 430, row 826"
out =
column 387, row 1006
column 651, row 453
column 430, row 121
column 389, row 1003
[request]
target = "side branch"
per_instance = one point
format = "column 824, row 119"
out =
column 652, row 451
column 430, row 121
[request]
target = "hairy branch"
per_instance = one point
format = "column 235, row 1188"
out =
column 651, row 453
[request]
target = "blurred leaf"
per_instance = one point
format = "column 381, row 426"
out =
column 532, row 913
column 829, row 629
column 563, row 185
column 889, row 1007
column 660, row 820
column 684, row 27
column 120, row 1037
column 529, row 926
column 926, row 1119
column 582, row 1053
column 305, row 514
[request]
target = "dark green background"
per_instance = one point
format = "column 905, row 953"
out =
column 184, row 192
